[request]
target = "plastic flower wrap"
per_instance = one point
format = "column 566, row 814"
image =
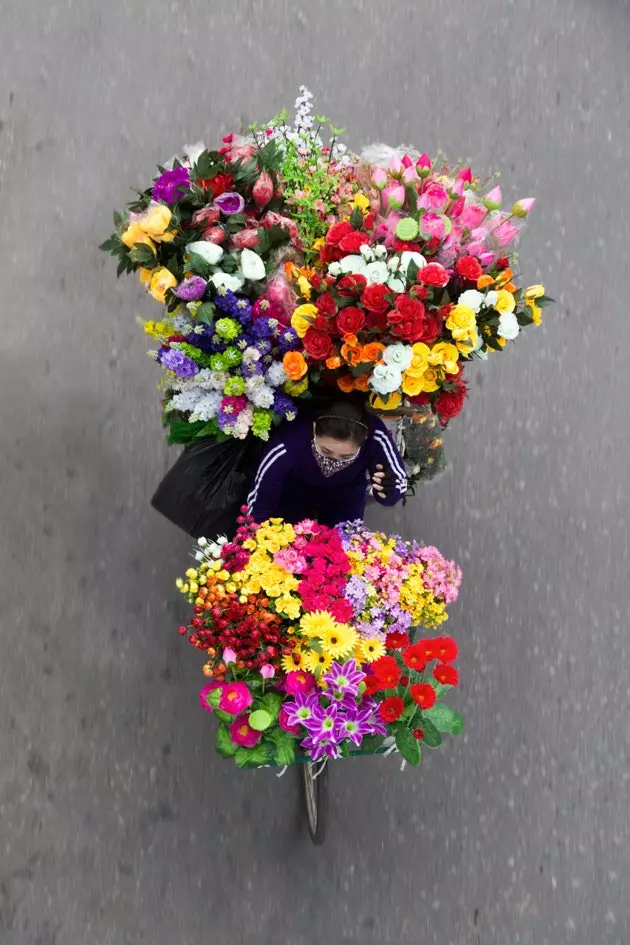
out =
column 312, row 638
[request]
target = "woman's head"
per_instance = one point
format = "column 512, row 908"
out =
column 341, row 429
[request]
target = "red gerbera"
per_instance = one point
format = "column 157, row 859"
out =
column 446, row 675
column 423, row 694
column 386, row 671
column 391, row 708
column 372, row 685
column 396, row 640
column 414, row 657
column 445, row 649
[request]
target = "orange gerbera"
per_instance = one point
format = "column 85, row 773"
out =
column 372, row 351
column 484, row 281
column 295, row 365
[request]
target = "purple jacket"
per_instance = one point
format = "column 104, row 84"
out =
column 290, row 485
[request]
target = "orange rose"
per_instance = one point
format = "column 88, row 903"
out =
column 345, row 383
column 505, row 276
column 362, row 382
column 484, row 281
column 351, row 340
column 373, row 351
column 333, row 363
column 295, row 365
column 352, row 355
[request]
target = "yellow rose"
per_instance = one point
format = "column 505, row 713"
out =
column 446, row 355
column 135, row 234
column 534, row 291
column 505, row 302
column 161, row 280
column 361, row 202
column 536, row 311
column 412, row 385
column 420, row 360
column 155, row 220
column 392, row 402
column 461, row 321
column 302, row 318
column 468, row 342
column 304, row 286
column 145, row 276
column 430, row 380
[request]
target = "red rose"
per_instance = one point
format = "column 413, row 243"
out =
column 502, row 263
column 317, row 344
column 391, row 708
column 409, row 307
column 430, row 329
column 446, row 675
column 396, row 639
column 337, row 232
column 432, row 246
column 444, row 648
column 387, row 672
column 413, row 657
column 374, row 298
column 350, row 285
column 401, row 245
column 350, row 320
column 433, row 274
column 450, row 402
column 418, row 292
column 469, row 268
column 423, row 694
column 217, row 184
column 445, row 310
column 320, row 322
column 408, row 328
column 326, row 305
column 316, row 281
column 377, row 320
column 352, row 242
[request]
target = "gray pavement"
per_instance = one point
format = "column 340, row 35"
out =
column 118, row 825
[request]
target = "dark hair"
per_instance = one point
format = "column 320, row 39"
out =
column 344, row 419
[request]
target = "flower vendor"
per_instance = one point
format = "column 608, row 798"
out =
column 321, row 468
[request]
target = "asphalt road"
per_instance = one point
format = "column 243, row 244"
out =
column 118, row 825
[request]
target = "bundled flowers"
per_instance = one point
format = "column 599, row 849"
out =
column 286, row 262
column 312, row 642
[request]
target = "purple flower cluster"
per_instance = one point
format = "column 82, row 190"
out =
column 171, row 185
column 283, row 405
column 191, row 290
column 288, row 340
column 174, row 360
column 263, row 328
column 236, row 306
column 336, row 715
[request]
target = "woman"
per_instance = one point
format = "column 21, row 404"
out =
column 322, row 468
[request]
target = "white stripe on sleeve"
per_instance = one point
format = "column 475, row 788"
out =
column 387, row 446
column 273, row 456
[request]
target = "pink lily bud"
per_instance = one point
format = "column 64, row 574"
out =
column 493, row 199
column 410, row 175
column 522, row 207
column 395, row 196
column 395, row 166
column 245, row 239
column 379, row 177
column 262, row 191
column 406, row 161
column 465, row 175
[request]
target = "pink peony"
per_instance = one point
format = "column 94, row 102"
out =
column 235, row 698
column 299, row 681
column 394, row 196
column 435, row 195
column 215, row 684
column 243, row 734
column 433, row 224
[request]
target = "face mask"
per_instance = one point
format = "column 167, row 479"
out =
column 329, row 466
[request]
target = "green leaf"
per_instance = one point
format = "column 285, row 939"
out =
column 371, row 743
column 523, row 319
column 260, row 720
column 284, row 747
column 199, row 265
column 544, row 301
column 408, row 746
column 224, row 716
column 205, row 168
column 252, row 757
column 224, row 744
column 271, row 702
column 183, row 432
column 143, row 254
column 356, row 219
column 205, row 313
column 213, row 697
column 441, row 716
column 412, row 271
column 432, row 737
column 457, row 725
column 113, row 244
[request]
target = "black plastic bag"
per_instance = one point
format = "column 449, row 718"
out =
column 205, row 489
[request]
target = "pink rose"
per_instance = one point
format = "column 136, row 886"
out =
column 435, row 195
column 243, row 734
column 472, row 216
column 235, row 698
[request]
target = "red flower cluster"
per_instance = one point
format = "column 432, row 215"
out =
column 322, row 587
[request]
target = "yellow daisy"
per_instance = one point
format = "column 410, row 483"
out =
column 338, row 640
column 317, row 623
column 316, row 662
column 296, row 660
column 370, row 648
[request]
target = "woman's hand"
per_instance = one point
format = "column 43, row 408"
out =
column 381, row 481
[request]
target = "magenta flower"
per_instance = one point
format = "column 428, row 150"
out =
column 205, row 692
column 191, row 290
column 235, row 698
column 171, row 185
column 229, row 203
column 285, row 723
column 243, row 734
column 299, row 682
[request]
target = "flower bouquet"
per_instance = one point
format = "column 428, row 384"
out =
column 313, row 643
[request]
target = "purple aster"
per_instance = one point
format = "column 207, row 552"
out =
column 177, row 361
column 229, row 203
column 191, row 290
column 171, row 185
column 344, row 679
column 322, row 722
column 300, row 709
column 288, row 340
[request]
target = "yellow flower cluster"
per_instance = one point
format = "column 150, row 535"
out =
column 324, row 639
column 429, row 366
column 420, row 602
column 263, row 574
column 462, row 324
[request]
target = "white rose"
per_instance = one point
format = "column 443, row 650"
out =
column 409, row 256
column 492, row 298
column 376, row 273
column 334, row 269
column 396, row 284
column 508, row 326
column 354, row 264
column 393, row 263
column 380, row 251
column 225, row 280
column 367, row 252
column 386, row 378
column 210, row 252
column 472, row 299
column 399, row 355
column 252, row 266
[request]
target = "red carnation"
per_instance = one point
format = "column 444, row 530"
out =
column 326, row 305
column 342, row 610
column 386, row 671
column 391, row 708
column 433, row 274
column 445, row 649
column 413, row 657
column 446, row 675
column 352, row 284
column 374, row 298
column 337, row 232
column 401, row 245
column 217, row 184
column 423, row 694
column 450, row 402
column 469, row 268
column 396, row 639
column 350, row 320
column 317, row 344
column 352, row 242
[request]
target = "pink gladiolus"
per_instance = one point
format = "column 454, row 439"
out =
column 243, row 734
column 522, row 207
column 235, row 698
column 267, row 671
column 379, row 177
column 262, row 191
column 395, row 196
column 229, row 655
column 493, row 199
column 465, row 175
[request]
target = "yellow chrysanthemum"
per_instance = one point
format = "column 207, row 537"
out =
column 338, row 640
column 370, row 649
column 315, row 624
column 316, row 662
column 289, row 606
column 296, row 660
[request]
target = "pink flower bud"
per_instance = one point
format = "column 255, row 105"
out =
column 245, row 239
column 267, row 671
column 395, row 196
column 379, row 177
column 493, row 199
column 395, row 166
column 229, row 656
column 406, row 161
column 465, row 175
column 522, row 207
column 424, row 161
column 263, row 189
column 458, row 187
column 410, row 175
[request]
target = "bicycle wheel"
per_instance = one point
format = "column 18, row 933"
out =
column 315, row 790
